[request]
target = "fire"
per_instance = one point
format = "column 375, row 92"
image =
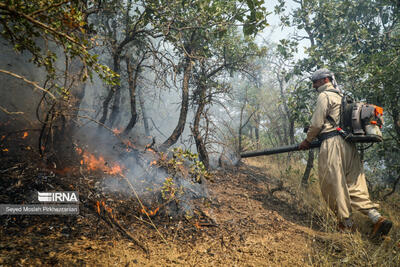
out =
column 154, row 162
column 117, row 131
column 94, row 163
column 150, row 149
column 98, row 207
column 5, row 149
column 150, row 212
column 25, row 135
column 105, row 207
column 197, row 225
column 129, row 145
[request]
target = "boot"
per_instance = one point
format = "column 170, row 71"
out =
column 381, row 227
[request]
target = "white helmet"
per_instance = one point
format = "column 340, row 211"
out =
column 320, row 74
column 324, row 73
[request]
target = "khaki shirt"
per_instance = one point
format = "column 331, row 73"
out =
column 328, row 103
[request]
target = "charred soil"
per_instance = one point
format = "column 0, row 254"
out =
column 245, row 219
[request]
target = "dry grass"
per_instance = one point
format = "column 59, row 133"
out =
column 331, row 248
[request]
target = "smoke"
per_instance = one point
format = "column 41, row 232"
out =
column 151, row 183
column 161, row 104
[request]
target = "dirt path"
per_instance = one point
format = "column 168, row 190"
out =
column 254, row 228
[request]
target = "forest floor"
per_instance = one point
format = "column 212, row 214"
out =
column 253, row 220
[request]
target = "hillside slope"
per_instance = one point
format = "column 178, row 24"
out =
column 249, row 219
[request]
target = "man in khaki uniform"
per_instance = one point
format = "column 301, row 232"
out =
column 340, row 169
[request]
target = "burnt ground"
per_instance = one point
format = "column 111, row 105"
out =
column 247, row 219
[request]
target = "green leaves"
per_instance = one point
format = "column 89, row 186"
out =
column 359, row 41
column 61, row 22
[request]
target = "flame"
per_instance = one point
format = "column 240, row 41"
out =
column 154, row 162
column 150, row 149
column 197, row 224
column 5, row 149
column 150, row 212
column 129, row 145
column 25, row 135
column 94, row 163
column 98, row 207
column 116, row 169
column 117, row 131
column 105, row 207
column 78, row 150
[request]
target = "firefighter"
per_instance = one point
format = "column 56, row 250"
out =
column 341, row 174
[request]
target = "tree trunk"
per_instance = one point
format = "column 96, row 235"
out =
column 184, row 107
column 106, row 102
column 291, row 131
column 117, row 90
column 200, row 145
column 64, row 115
column 310, row 164
column 144, row 113
column 240, row 128
column 113, row 89
column 132, row 81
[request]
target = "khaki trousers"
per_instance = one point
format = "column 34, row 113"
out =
column 342, row 178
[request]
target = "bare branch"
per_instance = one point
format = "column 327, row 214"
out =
column 10, row 112
column 28, row 81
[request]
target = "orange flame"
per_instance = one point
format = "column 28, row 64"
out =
column 98, row 207
column 154, row 162
column 197, row 224
column 117, row 131
column 150, row 212
column 105, row 208
column 129, row 145
column 93, row 163
column 78, row 150
column 25, row 135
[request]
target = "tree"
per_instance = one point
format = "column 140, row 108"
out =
column 229, row 54
column 190, row 26
column 43, row 28
column 122, row 25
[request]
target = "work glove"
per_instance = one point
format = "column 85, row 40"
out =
column 304, row 145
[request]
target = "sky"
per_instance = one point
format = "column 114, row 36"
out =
column 275, row 32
